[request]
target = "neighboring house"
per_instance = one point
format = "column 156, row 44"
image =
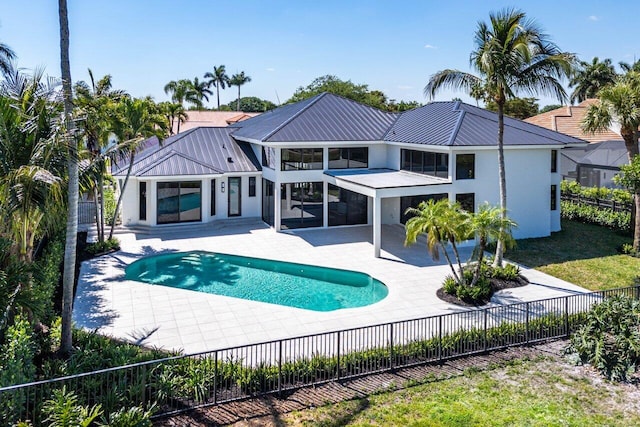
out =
column 328, row 161
column 592, row 165
column 196, row 118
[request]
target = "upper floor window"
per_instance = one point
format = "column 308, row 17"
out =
column 554, row 197
column 465, row 166
column 269, row 157
column 428, row 163
column 301, row 159
column 554, row 161
column 348, row 158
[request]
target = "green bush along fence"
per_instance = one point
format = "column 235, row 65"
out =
column 176, row 384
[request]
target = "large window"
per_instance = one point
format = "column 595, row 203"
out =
column 179, row 202
column 465, row 166
column 467, row 201
column 348, row 158
column 414, row 201
column 301, row 205
column 294, row 159
column 346, row 207
column 554, row 161
column 252, row 186
column 269, row 157
column 425, row 162
column 268, row 202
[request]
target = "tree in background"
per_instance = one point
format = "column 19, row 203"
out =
column 250, row 104
column 589, row 77
column 549, row 107
column 512, row 54
column 626, row 67
column 6, row 56
column 347, row 89
column 620, row 103
column 629, row 178
column 201, row 91
column 238, row 80
column 219, row 79
column 519, row 108
column 182, row 91
column 173, row 112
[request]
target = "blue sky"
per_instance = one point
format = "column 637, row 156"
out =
column 391, row 46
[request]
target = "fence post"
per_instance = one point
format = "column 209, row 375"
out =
column 338, row 357
column 566, row 314
column 527, row 324
column 440, row 338
column 391, row 345
column 279, row 367
column 215, row 377
column 486, row 340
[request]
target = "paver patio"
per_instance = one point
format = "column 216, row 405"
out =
column 170, row 318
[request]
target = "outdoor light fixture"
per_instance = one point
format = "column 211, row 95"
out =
column 222, row 187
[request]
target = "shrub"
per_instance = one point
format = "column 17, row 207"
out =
column 63, row 410
column 478, row 293
column 596, row 215
column 508, row 272
column 593, row 193
column 610, row 338
column 102, row 247
column 109, row 205
column 132, row 417
column 627, row 249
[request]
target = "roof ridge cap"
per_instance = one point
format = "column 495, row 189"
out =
column 290, row 119
column 456, row 129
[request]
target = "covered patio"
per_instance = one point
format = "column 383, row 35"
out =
column 381, row 184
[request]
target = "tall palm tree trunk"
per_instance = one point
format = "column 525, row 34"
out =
column 119, row 202
column 218, row 94
column 96, row 205
column 238, row 106
column 101, row 193
column 68, row 276
column 457, row 278
column 503, row 180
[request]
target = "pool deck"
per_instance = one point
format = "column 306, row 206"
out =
column 190, row 321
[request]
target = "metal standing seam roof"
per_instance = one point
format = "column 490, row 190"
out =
column 325, row 117
column 606, row 153
column 200, row 151
column 454, row 123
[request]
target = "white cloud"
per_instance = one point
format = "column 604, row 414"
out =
column 429, row 46
column 270, row 69
column 593, row 18
column 405, row 87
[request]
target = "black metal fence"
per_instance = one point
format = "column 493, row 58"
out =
column 601, row 203
column 181, row 383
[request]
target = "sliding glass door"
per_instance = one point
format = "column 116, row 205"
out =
column 179, row 202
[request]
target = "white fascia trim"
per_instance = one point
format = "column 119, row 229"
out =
column 420, row 147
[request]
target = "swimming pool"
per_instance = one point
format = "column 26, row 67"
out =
column 276, row 282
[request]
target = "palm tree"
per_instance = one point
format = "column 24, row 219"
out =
column 238, row 80
column 443, row 223
column 94, row 101
column 620, row 103
column 182, row 91
column 201, row 91
column 173, row 112
column 589, row 78
column 489, row 225
column 626, row 67
column 512, row 54
column 6, row 57
column 135, row 120
column 72, row 207
column 219, row 79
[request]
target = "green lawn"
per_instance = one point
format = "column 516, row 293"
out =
column 583, row 254
column 532, row 393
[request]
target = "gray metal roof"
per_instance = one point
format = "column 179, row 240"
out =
column 200, row 151
column 325, row 117
column 454, row 123
column 606, row 153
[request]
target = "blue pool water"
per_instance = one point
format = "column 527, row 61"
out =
column 284, row 283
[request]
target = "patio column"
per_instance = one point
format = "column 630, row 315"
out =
column 277, row 205
column 377, row 226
